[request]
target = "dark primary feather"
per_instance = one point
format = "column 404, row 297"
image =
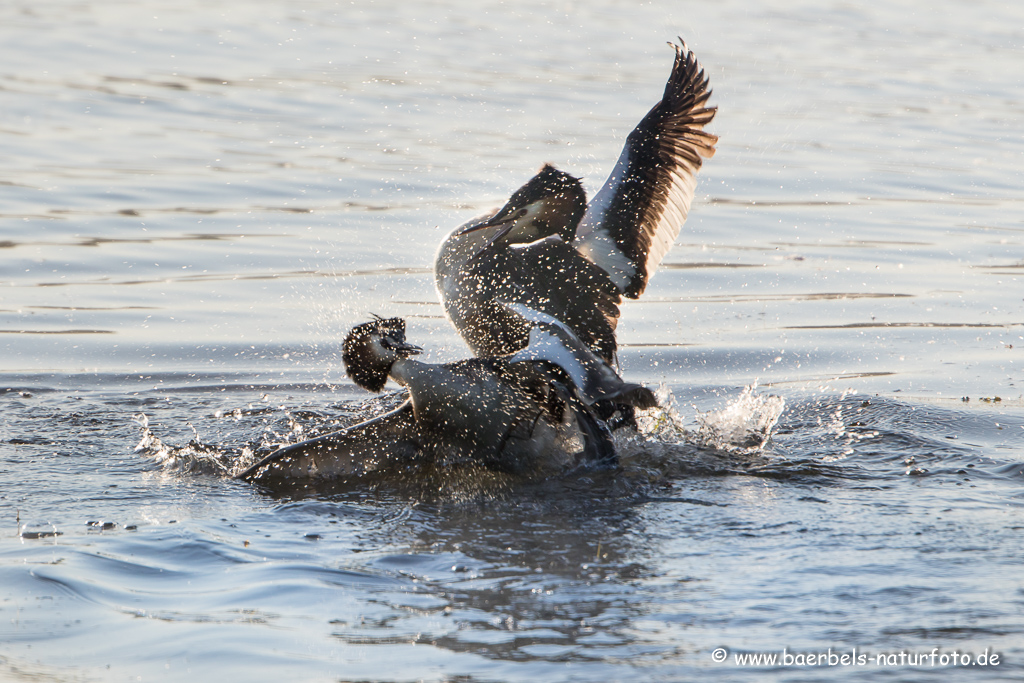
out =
column 647, row 197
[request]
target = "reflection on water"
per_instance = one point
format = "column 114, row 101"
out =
column 198, row 201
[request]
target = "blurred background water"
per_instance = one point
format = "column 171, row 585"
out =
column 198, row 199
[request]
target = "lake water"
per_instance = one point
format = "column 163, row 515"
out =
column 197, row 200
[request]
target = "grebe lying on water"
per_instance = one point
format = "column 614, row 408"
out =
column 529, row 413
column 551, row 251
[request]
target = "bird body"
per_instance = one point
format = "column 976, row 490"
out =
column 528, row 414
column 534, row 289
column 548, row 249
column 503, row 415
column 547, row 275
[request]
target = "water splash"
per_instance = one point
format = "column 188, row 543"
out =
column 744, row 426
column 264, row 430
column 663, row 423
column 662, row 445
column 193, row 458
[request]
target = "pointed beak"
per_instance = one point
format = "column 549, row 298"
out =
column 505, row 216
column 506, row 229
column 402, row 348
column 502, row 218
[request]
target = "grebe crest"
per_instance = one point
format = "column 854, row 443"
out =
column 370, row 349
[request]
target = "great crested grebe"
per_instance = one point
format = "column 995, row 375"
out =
column 551, row 251
column 529, row 413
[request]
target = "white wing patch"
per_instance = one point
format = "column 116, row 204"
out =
column 593, row 240
column 601, row 250
column 553, row 341
column 538, row 317
column 547, row 345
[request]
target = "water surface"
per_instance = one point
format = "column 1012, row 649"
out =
column 198, row 199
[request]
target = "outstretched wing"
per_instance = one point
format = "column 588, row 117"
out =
column 633, row 220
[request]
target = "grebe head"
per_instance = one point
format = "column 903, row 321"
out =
column 551, row 203
column 372, row 348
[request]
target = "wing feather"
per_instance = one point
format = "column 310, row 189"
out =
column 633, row 220
column 553, row 341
